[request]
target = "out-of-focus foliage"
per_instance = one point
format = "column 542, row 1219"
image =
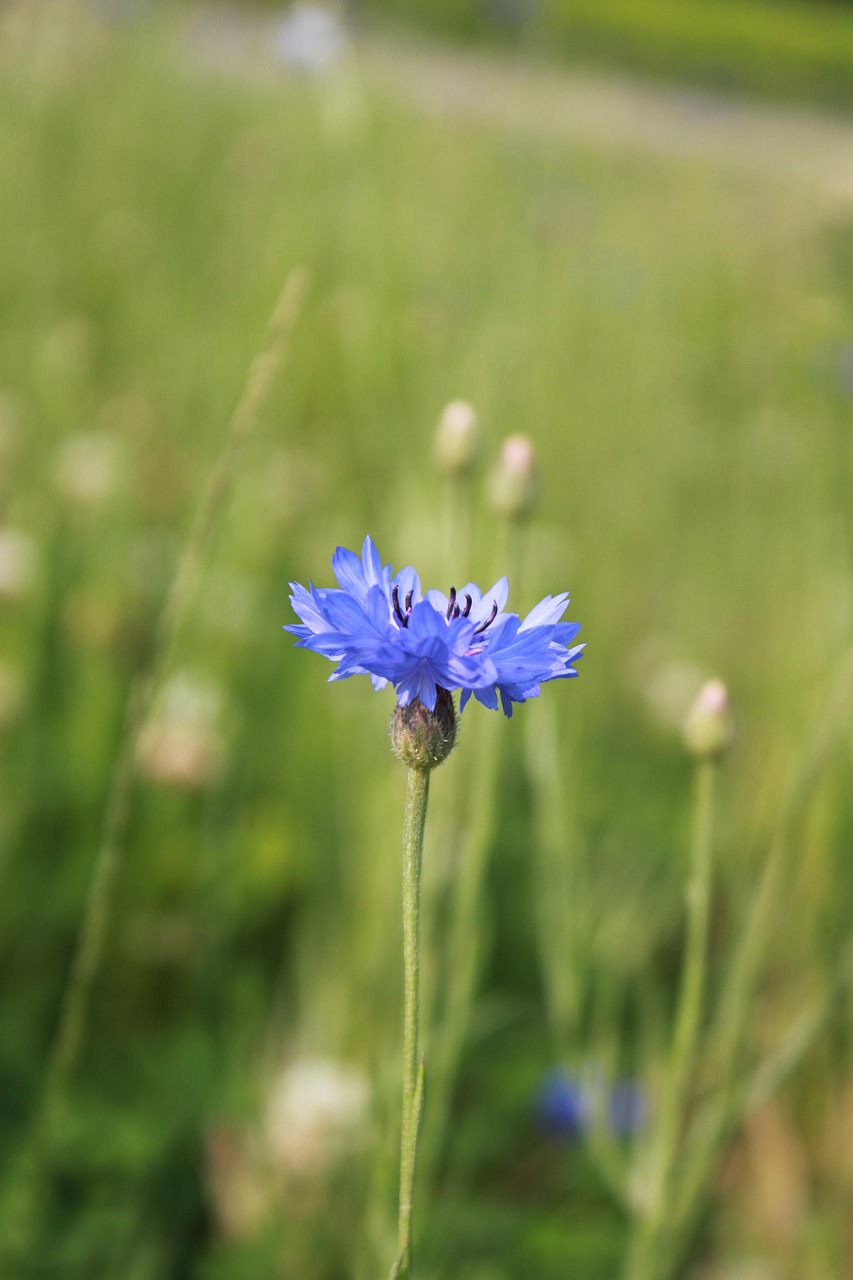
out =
column 676, row 338
column 780, row 48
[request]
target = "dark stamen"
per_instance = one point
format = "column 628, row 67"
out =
column 467, row 608
column 409, row 595
column 401, row 617
column 456, row 613
column 451, row 604
column 489, row 620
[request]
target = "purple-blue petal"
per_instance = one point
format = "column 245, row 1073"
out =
column 357, row 626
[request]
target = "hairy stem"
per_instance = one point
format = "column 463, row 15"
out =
column 413, row 1066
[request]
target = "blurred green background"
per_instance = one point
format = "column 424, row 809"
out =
column 653, row 283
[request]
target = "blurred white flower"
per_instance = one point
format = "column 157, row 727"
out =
column 19, row 562
column 183, row 745
column 88, row 467
column 316, row 1113
column 309, row 37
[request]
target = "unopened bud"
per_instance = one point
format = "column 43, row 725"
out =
column 422, row 738
column 514, row 482
column 457, row 438
column 709, row 727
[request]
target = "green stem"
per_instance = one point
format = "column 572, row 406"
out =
column 645, row 1262
column 729, row 1032
column 464, row 945
column 417, row 795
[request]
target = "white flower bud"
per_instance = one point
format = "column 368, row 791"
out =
column 514, row 483
column 709, row 727
column 457, row 438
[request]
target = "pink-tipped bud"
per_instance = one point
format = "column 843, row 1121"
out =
column 514, row 483
column 457, row 438
column 421, row 738
column 709, row 727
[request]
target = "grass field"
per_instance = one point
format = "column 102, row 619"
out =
column 676, row 336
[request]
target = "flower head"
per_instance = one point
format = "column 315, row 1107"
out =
column 381, row 624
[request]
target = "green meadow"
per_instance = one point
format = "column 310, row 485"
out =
column 675, row 335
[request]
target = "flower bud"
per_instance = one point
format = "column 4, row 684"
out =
column 457, row 438
column 422, row 738
column 514, row 481
column 709, row 727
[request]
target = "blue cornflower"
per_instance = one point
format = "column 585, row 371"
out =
column 380, row 624
column 566, row 1105
column 563, row 1106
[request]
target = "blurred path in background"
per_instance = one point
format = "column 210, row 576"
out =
column 621, row 112
column 528, row 97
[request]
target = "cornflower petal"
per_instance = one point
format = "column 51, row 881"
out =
column 356, row 576
column 379, row 624
column 405, row 581
column 547, row 611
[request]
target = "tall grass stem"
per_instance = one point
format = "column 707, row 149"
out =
column 728, row 1034
column 74, row 1009
column 646, row 1260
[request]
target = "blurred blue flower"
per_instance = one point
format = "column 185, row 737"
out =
column 566, row 1104
column 563, row 1106
column 379, row 624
